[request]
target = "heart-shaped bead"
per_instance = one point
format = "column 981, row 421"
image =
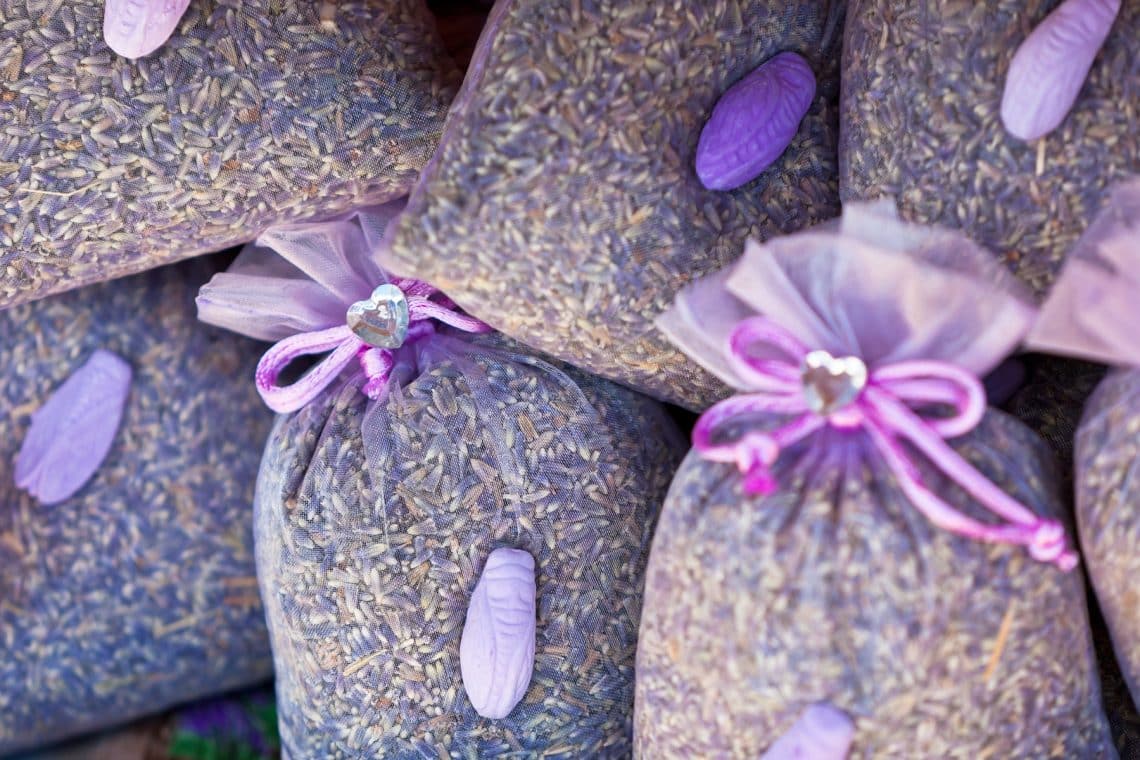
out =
column 382, row 320
column 831, row 383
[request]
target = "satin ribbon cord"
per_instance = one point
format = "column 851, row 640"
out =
column 426, row 306
column 893, row 409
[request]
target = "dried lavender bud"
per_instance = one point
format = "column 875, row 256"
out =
column 247, row 116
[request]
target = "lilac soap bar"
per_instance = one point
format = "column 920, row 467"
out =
column 72, row 432
column 1049, row 68
column 136, row 28
column 496, row 650
column 822, row 732
column 754, row 122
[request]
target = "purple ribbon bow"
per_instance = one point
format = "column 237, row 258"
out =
column 885, row 403
column 425, row 303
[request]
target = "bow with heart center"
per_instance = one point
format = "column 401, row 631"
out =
column 818, row 390
column 397, row 313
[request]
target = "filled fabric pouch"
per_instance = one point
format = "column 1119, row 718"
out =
column 564, row 205
column 129, row 446
column 451, row 532
column 250, row 114
column 858, row 559
column 1091, row 314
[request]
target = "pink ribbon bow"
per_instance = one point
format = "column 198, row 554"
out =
column 425, row 303
column 886, row 409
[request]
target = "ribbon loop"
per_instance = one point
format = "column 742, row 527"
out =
column 894, row 406
column 425, row 304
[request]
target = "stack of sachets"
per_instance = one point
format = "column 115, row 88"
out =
column 129, row 444
column 463, row 541
column 132, row 434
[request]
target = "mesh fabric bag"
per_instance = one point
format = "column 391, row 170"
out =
column 563, row 206
column 1092, row 314
column 250, row 114
column 375, row 517
column 858, row 566
column 138, row 591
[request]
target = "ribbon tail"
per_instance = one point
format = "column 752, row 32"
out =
column 912, row 427
column 283, row 399
column 754, row 453
column 421, row 308
column 1045, row 539
column 377, row 364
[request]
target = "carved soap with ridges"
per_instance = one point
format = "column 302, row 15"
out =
column 496, row 651
column 754, row 122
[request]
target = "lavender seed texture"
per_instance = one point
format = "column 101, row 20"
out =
column 138, row 591
column 375, row 520
column 251, row 114
column 562, row 207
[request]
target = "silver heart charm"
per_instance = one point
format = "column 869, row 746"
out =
column 382, row 320
column 830, row 383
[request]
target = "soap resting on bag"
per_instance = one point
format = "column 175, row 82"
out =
column 373, row 524
column 563, row 206
column 835, row 589
column 396, row 472
column 921, row 121
column 138, row 591
column 838, row 533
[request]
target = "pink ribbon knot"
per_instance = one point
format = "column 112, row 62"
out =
column 887, row 408
column 425, row 303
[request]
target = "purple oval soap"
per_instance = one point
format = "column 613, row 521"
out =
column 72, row 433
column 1049, row 68
column 754, row 122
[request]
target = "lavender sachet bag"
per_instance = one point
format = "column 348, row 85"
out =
column 1091, row 314
column 570, row 198
column 1008, row 120
column 858, row 558
column 250, row 114
column 451, row 532
column 129, row 447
